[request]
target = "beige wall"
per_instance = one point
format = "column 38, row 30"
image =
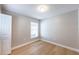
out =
column 61, row 29
column 20, row 28
column 0, row 30
column 0, row 8
column 78, row 31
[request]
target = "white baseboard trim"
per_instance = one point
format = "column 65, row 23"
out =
column 70, row 48
column 24, row 44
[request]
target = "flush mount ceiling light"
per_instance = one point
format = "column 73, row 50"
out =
column 42, row 8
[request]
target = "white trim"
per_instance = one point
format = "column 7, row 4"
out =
column 24, row 44
column 70, row 48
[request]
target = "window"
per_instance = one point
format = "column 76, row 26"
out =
column 34, row 30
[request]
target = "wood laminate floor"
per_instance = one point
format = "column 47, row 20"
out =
column 42, row 48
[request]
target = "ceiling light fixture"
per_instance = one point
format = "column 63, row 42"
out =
column 42, row 8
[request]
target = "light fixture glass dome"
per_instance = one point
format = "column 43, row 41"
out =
column 42, row 8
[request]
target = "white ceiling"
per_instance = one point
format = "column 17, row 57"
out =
column 30, row 9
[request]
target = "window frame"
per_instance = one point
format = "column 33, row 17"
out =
column 37, row 31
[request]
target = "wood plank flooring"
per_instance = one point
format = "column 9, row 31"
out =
column 42, row 48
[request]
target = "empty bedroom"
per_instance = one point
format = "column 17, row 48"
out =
column 39, row 29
